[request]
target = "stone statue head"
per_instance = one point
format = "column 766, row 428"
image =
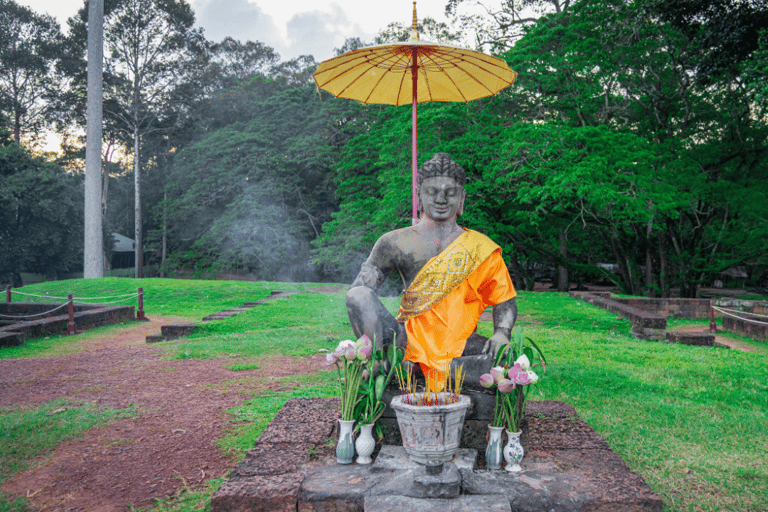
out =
column 441, row 165
column 441, row 188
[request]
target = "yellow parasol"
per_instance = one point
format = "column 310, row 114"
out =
column 413, row 72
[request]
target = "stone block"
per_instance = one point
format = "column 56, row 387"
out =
column 273, row 459
column 11, row 339
column 445, row 484
column 701, row 339
column 276, row 493
column 337, row 488
column 177, row 330
column 486, row 503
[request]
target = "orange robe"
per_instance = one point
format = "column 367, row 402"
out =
column 443, row 304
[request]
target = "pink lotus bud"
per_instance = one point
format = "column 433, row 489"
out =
column 506, row 386
column 486, row 380
column 497, row 373
column 533, row 377
column 350, row 353
column 330, row 359
column 364, row 352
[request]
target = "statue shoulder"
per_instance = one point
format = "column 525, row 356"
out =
column 396, row 238
column 481, row 238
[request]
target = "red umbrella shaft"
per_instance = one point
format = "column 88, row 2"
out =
column 414, row 138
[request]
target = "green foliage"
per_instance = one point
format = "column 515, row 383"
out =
column 253, row 195
column 603, row 151
column 39, row 227
column 30, row 47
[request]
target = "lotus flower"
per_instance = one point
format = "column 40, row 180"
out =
column 486, row 380
column 524, row 362
column 534, row 378
column 364, row 347
column 330, row 359
column 343, row 345
column 514, row 371
column 523, row 378
column 506, row 386
column 497, row 372
column 350, row 352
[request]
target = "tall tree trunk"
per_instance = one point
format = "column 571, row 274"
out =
column 165, row 232
column 138, row 259
column 664, row 265
column 563, row 277
column 93, row 250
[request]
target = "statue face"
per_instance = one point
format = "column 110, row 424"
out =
column 441, row 198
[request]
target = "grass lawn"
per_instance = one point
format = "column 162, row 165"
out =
column 690, row 420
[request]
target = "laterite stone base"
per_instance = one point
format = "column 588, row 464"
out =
column 567, row 468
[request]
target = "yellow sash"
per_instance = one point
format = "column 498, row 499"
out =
column 443, row 273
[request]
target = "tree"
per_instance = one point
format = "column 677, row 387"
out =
column 41, row 227
column 93, row 250
column 605, row 151
column 29, row 48
column 148, row 42
column 503, row 24
column 278, row 163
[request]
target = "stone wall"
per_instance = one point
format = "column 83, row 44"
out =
column 745, row 328
column 681, row 308
column 646, row 325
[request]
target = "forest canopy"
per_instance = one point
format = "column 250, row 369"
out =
column 631, row 150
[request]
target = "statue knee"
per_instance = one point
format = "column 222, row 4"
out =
column 359, row 296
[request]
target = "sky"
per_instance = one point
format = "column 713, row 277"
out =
column 292, row 27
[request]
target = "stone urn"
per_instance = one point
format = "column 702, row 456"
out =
column 430, row 432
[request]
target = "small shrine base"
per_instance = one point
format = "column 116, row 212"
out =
column 567, row 467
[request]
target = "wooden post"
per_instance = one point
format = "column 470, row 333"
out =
column 712, row 324
column 140, row 311
column 71, row 328
column 8, row 293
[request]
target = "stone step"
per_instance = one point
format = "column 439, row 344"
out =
column 699, row 339
column 11, row 339
column 485, row 503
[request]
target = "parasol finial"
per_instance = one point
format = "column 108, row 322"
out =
column 414, row 25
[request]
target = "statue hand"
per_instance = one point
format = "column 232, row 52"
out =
column 494, row 343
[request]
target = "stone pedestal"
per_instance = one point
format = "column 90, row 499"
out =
column 567, row 468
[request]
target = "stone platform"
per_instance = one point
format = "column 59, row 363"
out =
column 567, row 468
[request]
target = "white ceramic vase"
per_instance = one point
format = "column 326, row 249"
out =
column 365, row 444
column 493, row 450
column 513, row 452
column 345, row 448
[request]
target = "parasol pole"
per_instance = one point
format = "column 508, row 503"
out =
column 414, row 141
column 414, row 117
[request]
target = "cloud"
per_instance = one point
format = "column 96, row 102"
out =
column 317, row 33
column 238, row 19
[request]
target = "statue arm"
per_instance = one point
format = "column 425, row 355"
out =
column 377, row 267
column 504, row 317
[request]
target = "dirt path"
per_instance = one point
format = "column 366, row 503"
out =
column 168, row 445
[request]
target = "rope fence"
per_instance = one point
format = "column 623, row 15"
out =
column 79, row 298
column 730, row 312
column 70, row 302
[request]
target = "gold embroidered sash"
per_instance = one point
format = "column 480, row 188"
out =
column 443, row 273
